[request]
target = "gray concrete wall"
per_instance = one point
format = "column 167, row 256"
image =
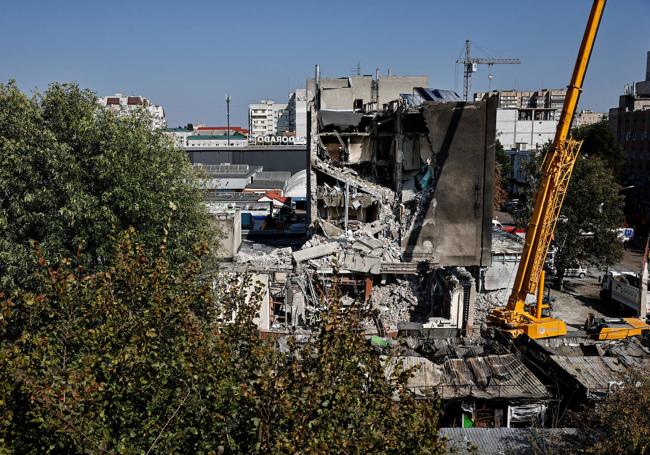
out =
column 455, row 227
column 229, row 225
column 391, row 87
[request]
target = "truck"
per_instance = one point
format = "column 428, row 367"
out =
column 624, row 289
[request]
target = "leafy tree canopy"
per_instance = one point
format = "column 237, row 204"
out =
column 142, row 357
column 591, row 213
column 599, row 141
column 72, row 173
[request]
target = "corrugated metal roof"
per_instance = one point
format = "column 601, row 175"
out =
column 487, row 377
column 598, row 375
column 496, row 441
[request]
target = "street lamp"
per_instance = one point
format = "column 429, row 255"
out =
column 228, row 117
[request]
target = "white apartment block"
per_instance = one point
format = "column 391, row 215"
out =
column 298, row 114
column 525, row 129
column 125, row 105
column 268, row 118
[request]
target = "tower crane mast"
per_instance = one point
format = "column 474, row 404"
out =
column 470, row 63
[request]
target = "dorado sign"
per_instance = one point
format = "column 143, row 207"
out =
column 279, row 140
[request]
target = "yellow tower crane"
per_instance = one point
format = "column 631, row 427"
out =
column 557, row 167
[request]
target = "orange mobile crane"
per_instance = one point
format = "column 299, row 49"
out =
column 514, row 319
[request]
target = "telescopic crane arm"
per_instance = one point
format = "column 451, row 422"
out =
column 556, row 171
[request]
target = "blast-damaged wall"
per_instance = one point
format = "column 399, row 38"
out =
column 454, row 221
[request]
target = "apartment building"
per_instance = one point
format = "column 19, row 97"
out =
column 126, row 105
column 268, row 118
column 630, row 123
column 525, row 122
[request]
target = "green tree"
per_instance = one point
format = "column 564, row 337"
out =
column 502, row 159
column 591, row 213
column 619, row 425
column 142, row 356
column 599, row 141
column 593, row 210
column 502, row 174
column 72, row 173
column 127, row 359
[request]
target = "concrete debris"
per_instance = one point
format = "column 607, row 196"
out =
column 278, row 257
column 316, row 252
column 486, row 301
column 394, row 302
column 328, row 229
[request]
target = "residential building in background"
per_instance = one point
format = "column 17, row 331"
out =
column 126, row 105
column 526, row 121
column 268, row 118
column 587, row 117
column 537, row 99
column 297, row 107
column 630, row 123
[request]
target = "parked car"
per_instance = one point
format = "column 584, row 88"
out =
column 579, row 271
column 496, row 224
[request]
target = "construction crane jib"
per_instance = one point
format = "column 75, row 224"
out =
column 470, row 64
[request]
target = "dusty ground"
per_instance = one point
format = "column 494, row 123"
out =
column 581, row 296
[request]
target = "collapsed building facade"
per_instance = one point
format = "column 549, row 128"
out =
column 399, row 208
column 401, row 179
column 399, row 219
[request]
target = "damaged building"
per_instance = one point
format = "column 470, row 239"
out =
column 399, row 208
column 400, row 187
column 398, row 214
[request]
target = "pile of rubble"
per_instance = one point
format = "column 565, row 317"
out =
column 277, row 258
column 394, row 302
column 486, row 302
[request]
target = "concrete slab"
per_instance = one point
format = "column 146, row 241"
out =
column 315, row 252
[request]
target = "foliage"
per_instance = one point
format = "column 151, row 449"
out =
column 619, row 425
column 591, row 213
column 141, row 356
column 599, row 141
column 73, row 173
column 332, row 396
column 502, row 160
column 125, row 359
column 502, row 173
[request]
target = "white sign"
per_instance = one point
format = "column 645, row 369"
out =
column 279, row 140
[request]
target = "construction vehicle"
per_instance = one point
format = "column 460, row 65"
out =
column 615, row 328
column 516, row 319
column 628, row 290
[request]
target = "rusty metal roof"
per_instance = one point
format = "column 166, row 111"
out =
column 597, row 375
column 487, row 377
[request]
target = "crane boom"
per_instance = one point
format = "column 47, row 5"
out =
column 555, row 175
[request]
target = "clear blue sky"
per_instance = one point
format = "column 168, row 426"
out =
column 186, row 55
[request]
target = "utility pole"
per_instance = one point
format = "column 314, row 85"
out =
column 228, row 118
column 470, row 66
